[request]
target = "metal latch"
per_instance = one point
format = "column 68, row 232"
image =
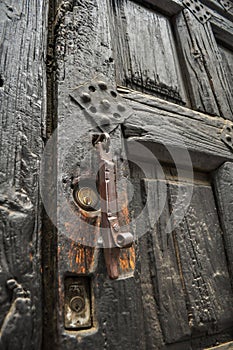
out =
column 101, row 103
column 113, row 238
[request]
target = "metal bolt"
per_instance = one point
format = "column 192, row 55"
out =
column 106, row 104
column 120, row 107
column 86, row 97
column 104, row 120
column 102, row 85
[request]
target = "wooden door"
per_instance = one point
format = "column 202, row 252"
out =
column 167, row 67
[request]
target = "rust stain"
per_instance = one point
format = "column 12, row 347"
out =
column 132, row 258
column 123, row 261
column 127, row 260
column 125, row 213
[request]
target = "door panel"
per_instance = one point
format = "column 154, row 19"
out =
column 208, row 87
column 145, row 52
column 173, row 290
column 188, row 267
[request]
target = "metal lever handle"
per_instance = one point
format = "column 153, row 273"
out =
column 114, row 239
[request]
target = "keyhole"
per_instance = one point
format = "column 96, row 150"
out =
column 77, row 304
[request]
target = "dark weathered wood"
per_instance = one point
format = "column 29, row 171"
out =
column 145, row 51
column 178, row 294
column 223, row 7
column 209, row 88
column 84, row 52
column 167, row 124
column 22, row 111
column 223, row 183
column 226, row 346
column 187, row 267
column 227, row 56
column 170, row 7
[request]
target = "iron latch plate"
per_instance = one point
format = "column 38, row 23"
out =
column 102, row 103
column 198, row 10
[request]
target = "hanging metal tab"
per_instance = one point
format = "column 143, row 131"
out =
column 113, row 238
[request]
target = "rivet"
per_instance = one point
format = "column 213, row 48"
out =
column 86, row 97
column 102, row 85
column 104, row 120
column 106, row 104
column 120, row 107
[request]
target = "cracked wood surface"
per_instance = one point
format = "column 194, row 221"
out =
column 167, row 124
column 160, row 291
column 208, row 84
column 22, row 118
column 83, row 51
column 174, row 290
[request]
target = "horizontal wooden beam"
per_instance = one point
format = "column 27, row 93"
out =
column 169, row 7
column 163, row 123
column 225, row 346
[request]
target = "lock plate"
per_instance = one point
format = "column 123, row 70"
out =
column 77, row 306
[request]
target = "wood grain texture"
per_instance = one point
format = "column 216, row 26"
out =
column 145, row 52
column 226, row 346
column 223, row 7
column 227, row 56
column 83, row 51
column 208, row 85
column 223, row 185
column 196, row 266
column 170, row 7
column 188, row 269
column 169, row 125
column 22, row 118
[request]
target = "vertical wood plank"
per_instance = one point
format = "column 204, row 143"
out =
column 22, row 118
column 84, row 52
column 208, row 85
column 145, row 52
column 223, row 185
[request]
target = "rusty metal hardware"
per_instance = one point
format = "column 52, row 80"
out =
column 113, row 238
column 227, row 134
column 86, row 196
column 77, row 308
column 198, row 10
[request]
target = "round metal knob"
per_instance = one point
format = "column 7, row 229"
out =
column 125, row 240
